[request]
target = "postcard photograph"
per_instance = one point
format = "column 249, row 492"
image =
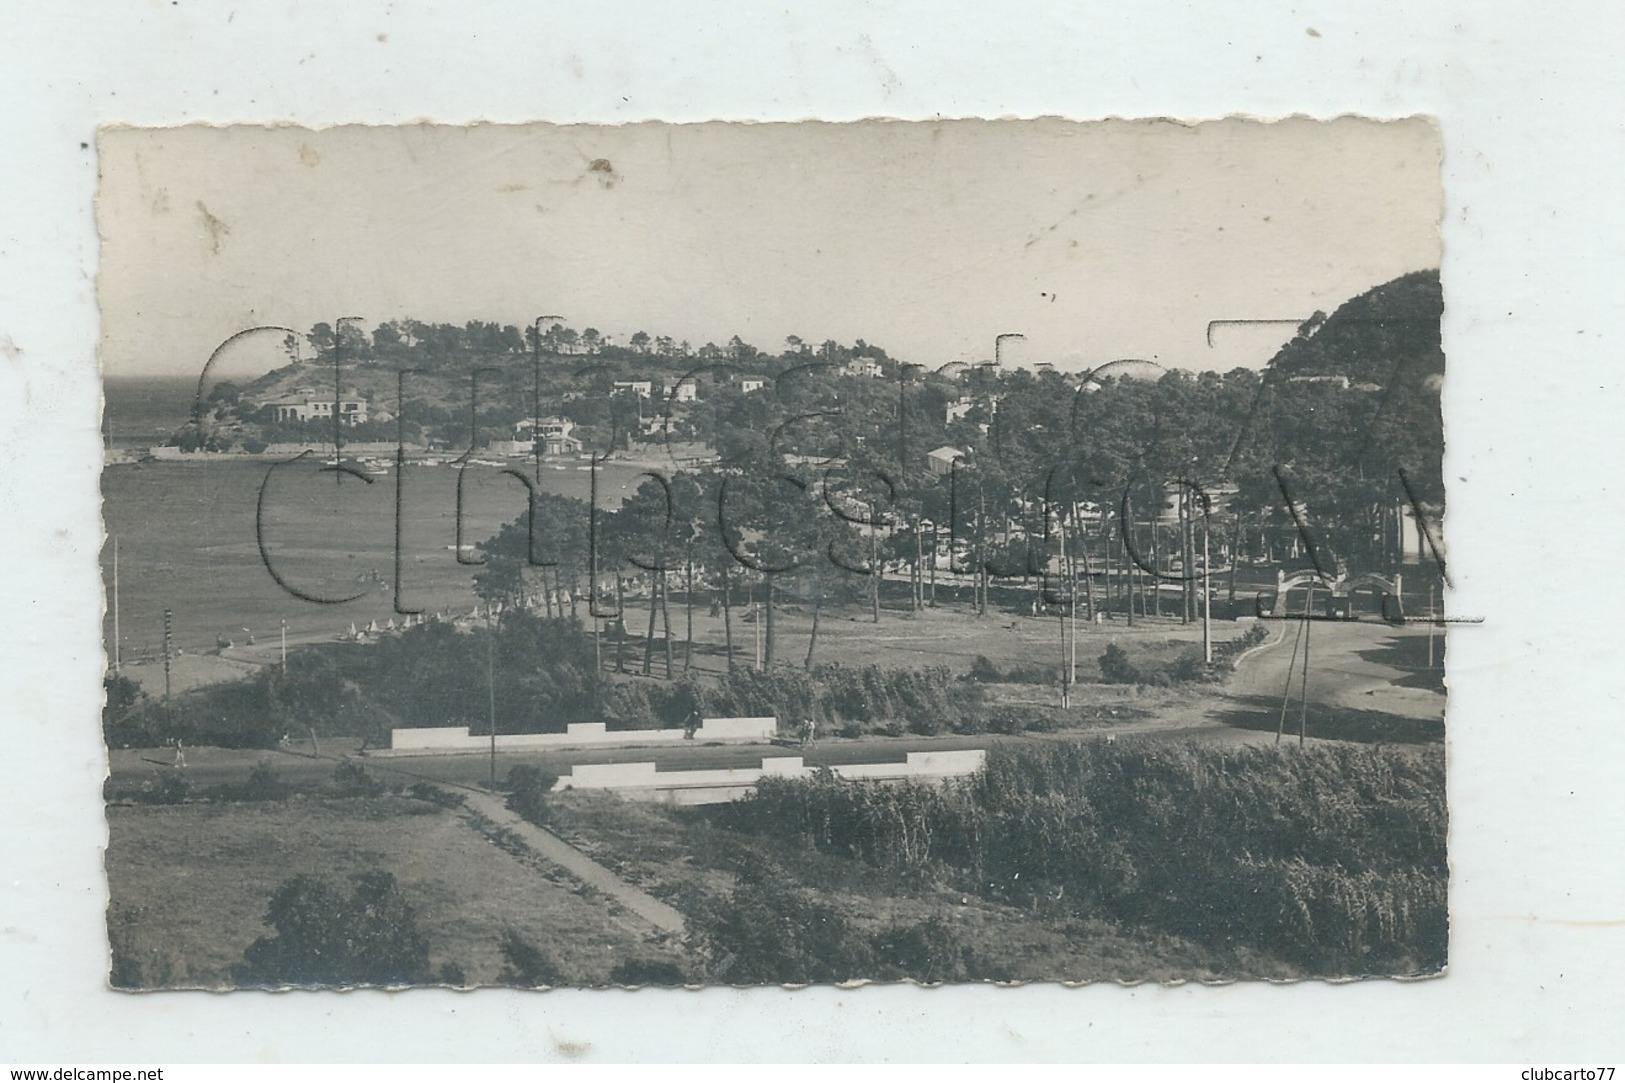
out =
column 773, row 554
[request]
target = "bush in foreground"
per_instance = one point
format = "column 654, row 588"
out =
column 1332, row 858
column 324, row 937
column 528, row 790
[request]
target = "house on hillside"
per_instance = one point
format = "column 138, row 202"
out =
column 657, row 425
column 685, row 390
column 863, row 366
column 643, row 389
column 956, row 410
column 747, row 384
column 560, row 444
column 941, row 461
column 554, row 433
column 306, row 405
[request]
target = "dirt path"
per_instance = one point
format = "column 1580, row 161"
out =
column 554, row 849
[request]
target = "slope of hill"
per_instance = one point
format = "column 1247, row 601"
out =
column 1387, row 335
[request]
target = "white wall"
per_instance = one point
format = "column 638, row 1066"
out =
column 645, row 782
column 579, row 735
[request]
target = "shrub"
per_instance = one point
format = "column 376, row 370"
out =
column 932, row 951
column 1330, row 857
column 350, row 779
column 172, row 788
column 983, row 669
column 122, row 694
column 1115, row 668
column 768, row 931
column 370, row 937
column 135, row 961
column 1190, row 668
column 264, row 784
column 528, row 790
column 428, row 791
column 647, row 972
column 526, row 965
column 1039, row 720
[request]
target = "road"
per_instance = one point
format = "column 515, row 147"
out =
column 1368, row 681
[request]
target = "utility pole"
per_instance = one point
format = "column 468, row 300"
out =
column 117, row 656
column 284, row 648
column 168, row 642
column 917, row 601
column 1308, row 625
column 1188, row 550
column 400, row 502
column 936, row 548
column 1125, row 523
column 874, row 570
column 1066, row 682
column 981, row 547
column 1207, row 595
column 1291, row 671
column 1072, row 614
column 491, row 688
column 1431, row 622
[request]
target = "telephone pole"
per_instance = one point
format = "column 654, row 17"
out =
column 1308, row 625
column 491, row 688
column 1431, row 622
column 117, row 656
column 168, row 643
column 1207, row 595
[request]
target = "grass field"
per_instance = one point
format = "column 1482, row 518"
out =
column 189, row 886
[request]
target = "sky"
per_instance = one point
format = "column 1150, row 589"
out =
column 1095, row 241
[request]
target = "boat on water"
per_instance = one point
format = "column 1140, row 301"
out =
column 364, row 466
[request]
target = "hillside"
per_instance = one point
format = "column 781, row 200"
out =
column 1388, row 334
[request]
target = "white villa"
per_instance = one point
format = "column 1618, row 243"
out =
column 306, row 405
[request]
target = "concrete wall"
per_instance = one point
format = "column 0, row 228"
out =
column 438, row 737
column 738, row 729
column 578, row 735
column 645, row 782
